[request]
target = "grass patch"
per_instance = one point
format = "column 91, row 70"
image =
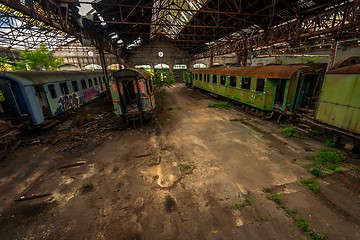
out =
column 237, row 120
column 290, row 132
column 310, row 184
column 329, row 143
column 318, row 132
column 326, row 161
column 185, row 167
column 88, row 185
column 300, row 221
column 266, row 189
column 247, row 202
column 221, row 105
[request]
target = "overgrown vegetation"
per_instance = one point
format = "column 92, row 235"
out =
column 329, row 143
column 247, row 202
column 326, row 161
column 40, row 59
column 185, row 167
column 88, row 185
column 290, row 132
column 300, row 221
column 163, row 78
column 310, row 184
column 221, row 105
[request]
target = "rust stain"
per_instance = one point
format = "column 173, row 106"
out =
column 354, row 69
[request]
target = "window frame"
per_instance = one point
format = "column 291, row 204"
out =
column 223, row 80
column 243, row 79
column 83, row 83
column 233, row 81
column 263, row 84
column 52, row 90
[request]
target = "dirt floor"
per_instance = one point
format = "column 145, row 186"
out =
column 190, row 173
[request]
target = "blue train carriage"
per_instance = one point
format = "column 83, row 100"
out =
column 265, row 89
column 36, row 96
column 132, row 94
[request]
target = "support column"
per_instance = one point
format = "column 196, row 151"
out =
column 211, row 57
column 334, row 48
column 103, row 64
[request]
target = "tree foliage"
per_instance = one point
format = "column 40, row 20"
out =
column 5, row 64
column 38, row 59
column 163, row 78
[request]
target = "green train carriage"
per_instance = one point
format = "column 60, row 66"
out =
column 266, row 89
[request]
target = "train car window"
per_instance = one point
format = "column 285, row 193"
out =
column 90, row 82
column 64, row 88
column 100, row 80
column 260, row 85
column 83, row 84
column 96, row 81
column 215, row 78
column 245, row 82
column 75, row 86
column 38, row 90
column 232, row 81
column 208, row 78
column 52, row 91
column 222, row 80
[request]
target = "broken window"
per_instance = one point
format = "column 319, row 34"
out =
column 245, row 83
column 215, row 78
column 75, row 86
column 90, row 82
column 52, row 90
column 83, row 84
column 64, row 88
column 232, row 81
column 96, row 81
column 260, row 85
column 222, row 80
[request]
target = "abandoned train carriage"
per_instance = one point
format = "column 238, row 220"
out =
column 36, row 96
column 338, row 106
column 265, row 89
column 132, row 94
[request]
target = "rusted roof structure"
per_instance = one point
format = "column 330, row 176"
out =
column 196, row 26
column 271, row 71
column 354, row 69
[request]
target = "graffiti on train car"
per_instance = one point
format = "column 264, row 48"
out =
column 89, row 94
column 69, row 101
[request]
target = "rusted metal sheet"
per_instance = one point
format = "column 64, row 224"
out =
column 354, row 69
column 272, row 71
column 339, row 102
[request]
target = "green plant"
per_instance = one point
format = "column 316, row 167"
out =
column 326, row 161
column 329, row 143
column 185, row 167
column 318, row 132
column 247, row 202
column 88, row 185
column 266, row 189
column 164, row 78
column 222, row 105
column 310, row 184
column 302, row 224
column 290, row 132
column 277, row 197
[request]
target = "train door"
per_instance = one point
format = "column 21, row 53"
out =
column 281, row 87
column 13, row 106
column 306, row 90
column 132, row 102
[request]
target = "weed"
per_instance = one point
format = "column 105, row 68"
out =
column 266, row 189
column 237, row 120
column 222, row 105
column 326, row 161
column 247, row 202
column 318, row 132
column 88, row 185
column 302, row 224
column 306, row 228
column 290, row 132
column 276, row 197
column 329, row 143
column 311, row 185
column 185, row 167
column 293, row 211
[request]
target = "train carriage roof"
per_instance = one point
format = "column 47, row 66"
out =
column 354, row 69
column 132, row 72
column 271, row 71
column 42, row 77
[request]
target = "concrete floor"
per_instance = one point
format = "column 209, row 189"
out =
column 191, row 173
